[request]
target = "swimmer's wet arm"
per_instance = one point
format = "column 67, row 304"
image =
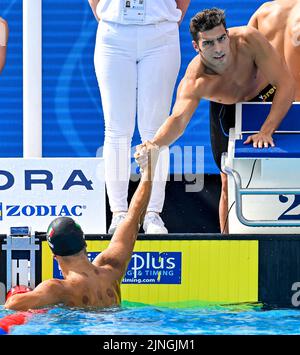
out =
column 187, row 101
column 276, row 72
column 49, row 292
column 93, row 5
column 119, row 251
column 140, row 200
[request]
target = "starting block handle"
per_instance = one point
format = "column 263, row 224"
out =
column 24, row 244
column 239, row 192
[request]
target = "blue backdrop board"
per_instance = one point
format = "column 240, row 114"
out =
column 72, row 113
column 11, row 82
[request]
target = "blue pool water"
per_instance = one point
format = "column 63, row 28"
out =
column 148, row 320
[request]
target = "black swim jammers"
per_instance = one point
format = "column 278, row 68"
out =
column 222, row 118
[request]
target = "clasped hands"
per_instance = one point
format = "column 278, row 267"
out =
column 146, row 156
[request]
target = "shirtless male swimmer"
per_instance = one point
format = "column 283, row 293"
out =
column 233, row 65
column 279, row 22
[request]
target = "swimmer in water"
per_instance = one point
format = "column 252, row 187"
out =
column 85, row 283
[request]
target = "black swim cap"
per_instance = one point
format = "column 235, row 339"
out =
column 65, row 237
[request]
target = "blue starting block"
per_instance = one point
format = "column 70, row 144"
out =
column 287, row 145
column 264, row 183
column 251, row 116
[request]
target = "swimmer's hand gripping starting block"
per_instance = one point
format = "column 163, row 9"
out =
column 249, row 119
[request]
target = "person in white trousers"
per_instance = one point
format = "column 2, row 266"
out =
column 3, row 42
column 137, row 60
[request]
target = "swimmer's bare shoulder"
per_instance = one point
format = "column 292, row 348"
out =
column 249, row 40
column 264, row 55
column 241, row 33
column 56, row 291
column 266, row 7
column 48, row 292
column 293, row 26
column 263, row 11
column 243, row 38
column 55, row 287
column 111, row 263
column 192, row 85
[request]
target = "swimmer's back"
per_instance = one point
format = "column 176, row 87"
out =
column 94, row 287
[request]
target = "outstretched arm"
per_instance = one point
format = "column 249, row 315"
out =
column 186, row 103
column 3, row 42
column 118, row 253
column 187, row 100
column 275, row 70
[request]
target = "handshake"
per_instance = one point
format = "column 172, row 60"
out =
column 146, row 156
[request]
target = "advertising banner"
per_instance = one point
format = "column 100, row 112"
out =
column 35, row 191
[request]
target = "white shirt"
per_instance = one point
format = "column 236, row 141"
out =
column 155, row 11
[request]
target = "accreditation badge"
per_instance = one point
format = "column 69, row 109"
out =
column 134, row 11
